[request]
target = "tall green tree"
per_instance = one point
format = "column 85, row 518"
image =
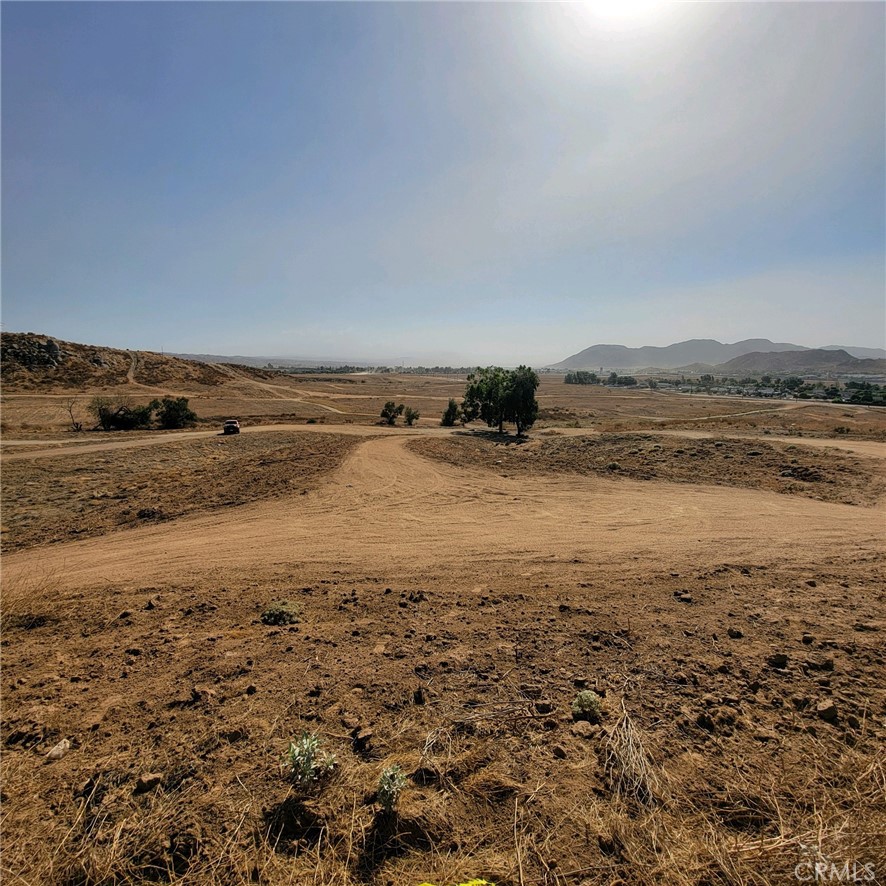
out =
column 521, row 405
column 498, row 395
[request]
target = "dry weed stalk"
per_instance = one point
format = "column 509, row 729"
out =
column 627, row 765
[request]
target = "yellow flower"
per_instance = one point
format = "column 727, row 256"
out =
column 468, row 883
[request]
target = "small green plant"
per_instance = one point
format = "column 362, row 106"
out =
column 390, row 786
column 281, row 613
column 587, row 706
column 411, row 415
column 305, row 762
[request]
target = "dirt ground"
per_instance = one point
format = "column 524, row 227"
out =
column 49, row 500
column 450, row 597
column 790, row 468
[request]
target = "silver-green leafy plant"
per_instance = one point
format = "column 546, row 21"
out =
column 587, row 706
column 390, row 786
column 305, row 762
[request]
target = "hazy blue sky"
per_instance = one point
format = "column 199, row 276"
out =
column 443, row 182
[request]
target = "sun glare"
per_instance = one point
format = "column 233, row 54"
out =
column 618, row 14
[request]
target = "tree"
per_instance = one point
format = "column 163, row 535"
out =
column 485, row 396
column 450, row 416
column 498, row 395
column 411, row 415
column 522, row 407
column 390, row 411
column 174, row 413
column 119, row 415
column 581, row 377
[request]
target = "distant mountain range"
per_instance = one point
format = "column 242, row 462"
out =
column 710, row 354
column 262, row 362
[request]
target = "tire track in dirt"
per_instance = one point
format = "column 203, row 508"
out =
column 389, row 507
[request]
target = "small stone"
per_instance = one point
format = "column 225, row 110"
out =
column 827, row 711
column 251, row 689
column 685, row 598
column 808, row 639
column 558, row 752
column 777, row 660
column 59, row 750
column 852, row 721
column 765, row 735
column 147, row 781
column 583, row 729
column 812, row 583
column 543, row 707
column 362, row 738
column 866, row 626
column 734, row 633
column 820, row 664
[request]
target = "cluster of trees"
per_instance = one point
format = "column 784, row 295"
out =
column 391, row 411
column 581, row 377
column 496, row 396
column 116, row 414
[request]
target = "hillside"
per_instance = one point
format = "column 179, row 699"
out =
column 30, row 361
column 817, row 360
column 707, row 351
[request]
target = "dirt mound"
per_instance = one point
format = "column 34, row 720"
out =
column 88, row 494
column 790, row 469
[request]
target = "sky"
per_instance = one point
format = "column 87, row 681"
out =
column 443, row 183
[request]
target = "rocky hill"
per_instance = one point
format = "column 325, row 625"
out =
column 815, row 360
column 30, row 361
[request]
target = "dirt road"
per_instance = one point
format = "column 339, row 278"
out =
column 387, row 505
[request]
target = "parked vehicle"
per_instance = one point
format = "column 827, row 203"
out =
column 231, row 426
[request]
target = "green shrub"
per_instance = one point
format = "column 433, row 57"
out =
column 390, row 786
column 411, row 415
column 305, row 762
column 587, row 706
column 174, row 413
column 281, row 613
column 391, row 410
column 451, row 415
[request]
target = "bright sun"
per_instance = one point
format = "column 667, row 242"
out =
column 621, row 13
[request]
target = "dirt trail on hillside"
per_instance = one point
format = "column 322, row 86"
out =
column 387, row 505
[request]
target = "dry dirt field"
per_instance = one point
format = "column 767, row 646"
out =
column 713, row 569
